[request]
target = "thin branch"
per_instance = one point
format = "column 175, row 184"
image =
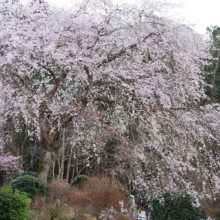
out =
column 151, row 34
column 175, row 109
column 56, row 85
column 100, row 82
column 90, row 47
column 22, row 79
column 104, row 90
column 17, row 83
column 62, row 76
column 109, row 32
column 113, row 57
column 81, row 8
column 105, row 100
column 50, row 71
column 67, row 121
column 57, row 80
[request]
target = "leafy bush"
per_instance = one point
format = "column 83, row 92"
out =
column 31, row 173
column 79, row 180
column 218, row 215
column 13, row 205
column 29, row 184
column 49, row 178
column 175, row 206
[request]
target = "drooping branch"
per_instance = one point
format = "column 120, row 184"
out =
column 56, row 85
column 51, row 72
column 67, row 122
column 22, row 80
column 107, row 33
column 16, row 83
column 53, row 90
column 62, row 76
column 96, row 41
column 56, row 80
column 104, row 100
column 113, row 57
column 101, row 82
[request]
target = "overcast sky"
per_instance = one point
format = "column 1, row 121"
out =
column 202, row 13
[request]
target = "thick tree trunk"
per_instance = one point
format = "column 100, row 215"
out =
column 44, row 165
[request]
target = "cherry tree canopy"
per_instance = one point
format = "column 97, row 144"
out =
column 137, row 73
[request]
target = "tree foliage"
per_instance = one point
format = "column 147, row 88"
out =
column 175, row 206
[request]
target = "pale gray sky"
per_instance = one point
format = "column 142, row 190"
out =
column 202, row 13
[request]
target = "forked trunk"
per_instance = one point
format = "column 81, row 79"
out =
column 44, row 165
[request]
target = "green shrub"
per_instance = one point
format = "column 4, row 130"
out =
column 29, row 184
column 30, row 173
column 49, row 178
column 13, row 205
column 217, row 215
column 79, row 180
column 175, row 206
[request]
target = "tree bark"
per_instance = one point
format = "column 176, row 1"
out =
column 68, row 165
column 214, row 76
column 62, row 156
column 50, row 142
column 73, row 171
column 53, row 166
column 44, row 165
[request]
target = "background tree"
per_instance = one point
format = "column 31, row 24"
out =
column 213, row 78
